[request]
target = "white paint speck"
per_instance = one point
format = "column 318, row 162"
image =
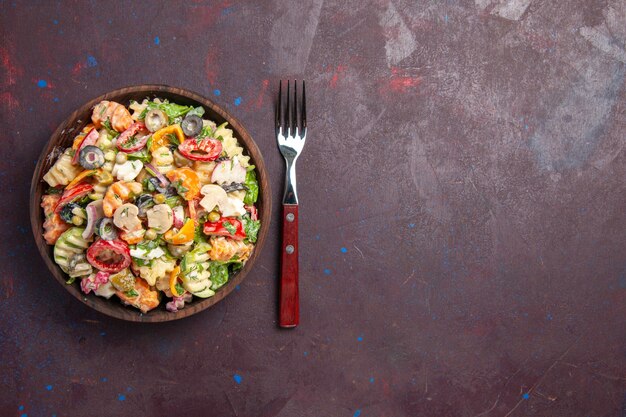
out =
column 511, row 9
column 400, row 42
column 600, row 40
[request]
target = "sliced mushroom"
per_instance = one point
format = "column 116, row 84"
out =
column 125, row 217
column 213, row 196
column 160, row 218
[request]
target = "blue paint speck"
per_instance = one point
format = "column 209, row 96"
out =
column 49, row 387
column 42, row 84
column 526, row 396
column 121, row 397
column 360, row 338
column 549, row 316
column 217, row 92
column 56, row 22
column 343, row 250
column 317, row 237
column 357, row 413
column 411, row 225
column 237, row 101
column 306, row 353
column 157, row 40
column 21, row 407
column 129, row 389
column 237, row 378
column 91, row 61
column 228, row 10
column 327, row 271
column 104, row 379
column 445, row 18
column 103, row 333
column 56, row 99
column 371, row 380
column 24, row 415
column 237, row 287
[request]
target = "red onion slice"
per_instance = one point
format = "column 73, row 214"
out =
column 94, row 213
column 153, row 171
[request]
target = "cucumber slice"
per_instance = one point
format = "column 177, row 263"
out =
column 206, row 293
column 68, row 244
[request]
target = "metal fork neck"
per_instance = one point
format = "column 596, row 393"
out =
column 291, row 194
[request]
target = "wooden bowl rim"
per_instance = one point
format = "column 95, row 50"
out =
column 114, row 308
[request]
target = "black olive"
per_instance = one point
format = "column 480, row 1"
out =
column 66, row 212
column 143, row 203
column 234, row 186
column 157, row 185
column 155, row 119
column 106, row 229
column 192, row 125
column 91, row 157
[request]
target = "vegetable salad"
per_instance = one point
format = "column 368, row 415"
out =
column 151, row 202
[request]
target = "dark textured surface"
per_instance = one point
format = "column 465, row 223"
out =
column 462, row 210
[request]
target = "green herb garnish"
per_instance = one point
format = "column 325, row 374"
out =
column 112, row 132
column 228, row 226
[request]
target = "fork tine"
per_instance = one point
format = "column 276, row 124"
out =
column 279, row 104
column 288, row 112
column 303, row 109
column 295, row 106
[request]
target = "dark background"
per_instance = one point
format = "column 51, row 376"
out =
column 462, row 246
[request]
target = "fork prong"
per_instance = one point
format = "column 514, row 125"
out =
column 279, row 104
column 288, row 112
column 303, row 109
column 295, row 106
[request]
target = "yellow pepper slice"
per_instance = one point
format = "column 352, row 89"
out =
column 184, row 235
column 79, row 138
column 80, row 177
column 159, row 138
column 173, row 280
column 189, row 186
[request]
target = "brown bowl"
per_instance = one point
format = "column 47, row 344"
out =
column 63, row 137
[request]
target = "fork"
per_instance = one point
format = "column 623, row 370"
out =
column 290, row 146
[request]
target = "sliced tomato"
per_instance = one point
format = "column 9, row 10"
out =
column 233, row 228
column 73, row 194
column 90, row 139
column 128, row 142
column 204, row 150
column 109, row 255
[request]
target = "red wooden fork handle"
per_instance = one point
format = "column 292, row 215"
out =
column 289, row 298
